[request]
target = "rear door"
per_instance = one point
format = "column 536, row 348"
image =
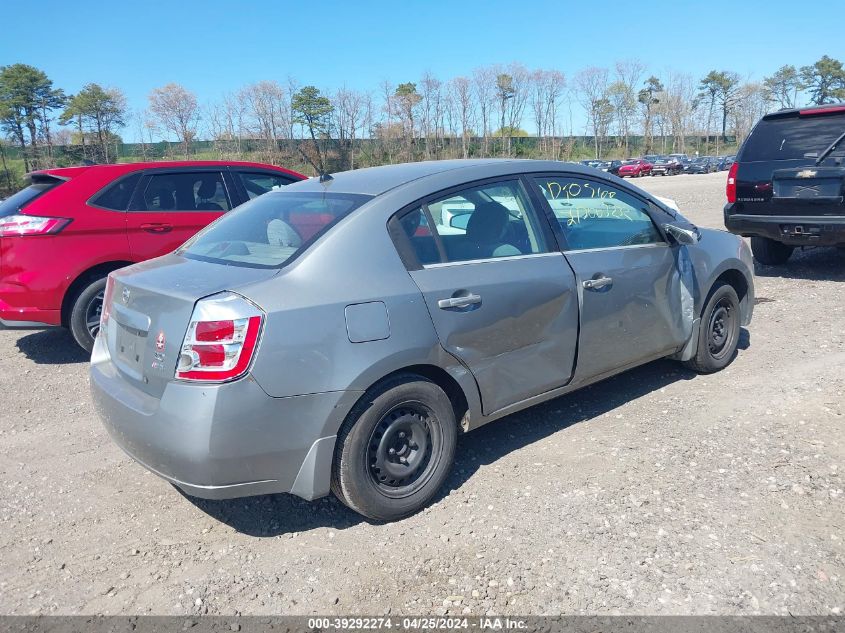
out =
column 626, row 273
column 500, row 294
column 171, row 205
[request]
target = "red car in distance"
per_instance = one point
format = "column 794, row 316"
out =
column 635, row 168
column 70, row 227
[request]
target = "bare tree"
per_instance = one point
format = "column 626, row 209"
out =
column 175, row 109
column 591, row 92
column 484, row 87
column 461, row 90
column 623, row 95
column 267, row 109
column 430, row 112
column 749, row 107
column 349, row 106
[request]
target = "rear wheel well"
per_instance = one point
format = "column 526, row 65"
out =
column 84, row 278
column 442, row 379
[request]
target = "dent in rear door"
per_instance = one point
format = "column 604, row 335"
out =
column 519, row 340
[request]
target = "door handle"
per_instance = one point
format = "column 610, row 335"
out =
column 157, row 227
column 459, row 302
column 595, row 284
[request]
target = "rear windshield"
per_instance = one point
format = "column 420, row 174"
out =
column 792, row 137
column 19, row 200
column 271, row 230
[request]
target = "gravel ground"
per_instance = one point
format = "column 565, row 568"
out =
column 655, row 492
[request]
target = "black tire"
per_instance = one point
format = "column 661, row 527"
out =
column 368, row 473
column 718, row 334
column 770, row 252
column 85, row 312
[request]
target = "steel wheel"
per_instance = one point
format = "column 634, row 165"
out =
column 721, row 328
column 399, row 453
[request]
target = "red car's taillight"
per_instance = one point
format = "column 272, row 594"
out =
column 19, row 225
column 730, row 188
column 221, row 339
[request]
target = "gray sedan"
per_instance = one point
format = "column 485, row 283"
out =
column 338, row 335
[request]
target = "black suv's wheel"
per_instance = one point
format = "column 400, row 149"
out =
column 719, row 332
column 770, row 252
column 395, row 449
column 85, row 313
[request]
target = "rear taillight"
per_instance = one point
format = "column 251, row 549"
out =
column 19, row 225
column 730, row 188
column 106, row 309
column 221, row 339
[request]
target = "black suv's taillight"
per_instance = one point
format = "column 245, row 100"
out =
column 730, row 187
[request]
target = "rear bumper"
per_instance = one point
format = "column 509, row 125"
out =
column 222, row 441
column 799, row 230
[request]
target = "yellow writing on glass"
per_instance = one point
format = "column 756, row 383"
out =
column 569, row 190
column 607, row 210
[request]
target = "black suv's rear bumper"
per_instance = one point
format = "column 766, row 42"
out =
column 795, row 230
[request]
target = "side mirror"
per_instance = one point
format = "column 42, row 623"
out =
column 681, row 235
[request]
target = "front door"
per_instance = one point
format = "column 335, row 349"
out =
column 502, row 298
column 171, row 206
column 632, row 307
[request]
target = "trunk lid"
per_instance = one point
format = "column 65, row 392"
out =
column 150, row 308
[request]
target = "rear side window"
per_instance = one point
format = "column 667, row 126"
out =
column 271, row 230
column 789, row 138
column 258, row 183
column 198, row 191
column 484, row 222
column 19, row 200
column 116, row 196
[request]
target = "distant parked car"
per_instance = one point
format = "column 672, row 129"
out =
column 725, row 162
column 786, row 187
column 702, row 165
column 611, row 166
column 69, row 228
column 350, row 361
column 635, row 168
column 667, row 167
column 594, row 163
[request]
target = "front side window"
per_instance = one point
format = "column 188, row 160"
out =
column 269, row 231
column 597, row 215
column 483, row 222
column 258, row 183
column 198, row 191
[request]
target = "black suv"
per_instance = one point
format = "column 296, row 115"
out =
column 786, row 187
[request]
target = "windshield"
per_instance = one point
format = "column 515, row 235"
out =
column 270, row 230
column 793, row 137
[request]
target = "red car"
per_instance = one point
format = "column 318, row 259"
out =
column 64, row 233
column 635, row 168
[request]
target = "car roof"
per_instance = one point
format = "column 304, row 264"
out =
column 125, row 168
column 828, row 108
column 434, row 175
column 375, row 181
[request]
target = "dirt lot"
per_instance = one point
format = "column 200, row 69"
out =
column 655, row 492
